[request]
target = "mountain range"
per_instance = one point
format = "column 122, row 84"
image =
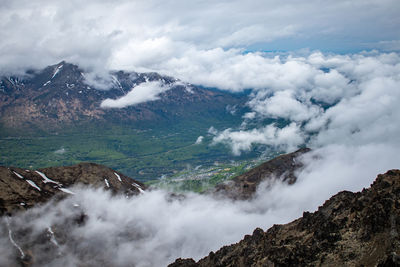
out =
column 61, row 96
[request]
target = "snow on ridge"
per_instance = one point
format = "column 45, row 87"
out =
column 117, row 82
column 52, row 236
column 46, row 179
column 33, row 185
column 106, row 181
column 19, row 175
column 57, row 71
column 13, row 241
column 138, row 187
column 119, row 177
column 65, row 190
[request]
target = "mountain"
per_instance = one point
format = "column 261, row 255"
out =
column 282, row 167
column 60, row 97
column 54, row 117
column 349, row 229
column 22, row 189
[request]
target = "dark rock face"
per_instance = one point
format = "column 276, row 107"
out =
column 282, row 167
column 21, row 189
column 350, row 229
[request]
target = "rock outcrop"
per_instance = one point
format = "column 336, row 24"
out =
column 21, row 189
column 282, row 167
column 350, row 229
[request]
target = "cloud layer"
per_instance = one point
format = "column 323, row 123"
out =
column 331, row 99
column 157, row 35
column 155, row 228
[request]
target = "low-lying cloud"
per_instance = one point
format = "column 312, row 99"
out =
column 144, row 92
column 287, row 138
column 345, row 107
column 155, row 228
column 349, row 100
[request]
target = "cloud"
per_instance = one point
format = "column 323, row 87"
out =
column 287, row 138
column 332, row 99
column 158, row 34
column 199, row 140
column 124, row 231
column 282, row 105
column 144, row 92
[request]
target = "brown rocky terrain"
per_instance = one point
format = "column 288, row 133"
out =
column 21, row 189
column 349, row 229
column 282, row 167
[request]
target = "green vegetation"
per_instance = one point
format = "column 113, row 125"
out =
column 201, row 179
column 142, row 153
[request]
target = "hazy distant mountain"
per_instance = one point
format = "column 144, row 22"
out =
column 350, row 229
column 60, row 96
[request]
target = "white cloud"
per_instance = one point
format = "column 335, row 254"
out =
column 158, row 34
column 122, row 232
column 199, row 140
column 287, row 138
column 361, row 92
column 144, row 92
column 283, row 105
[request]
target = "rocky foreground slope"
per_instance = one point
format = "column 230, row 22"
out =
column 350, row 229
column 21, row 189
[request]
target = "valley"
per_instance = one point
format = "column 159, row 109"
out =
column 51, row 117
column 144, row 155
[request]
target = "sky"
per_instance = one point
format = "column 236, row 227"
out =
column 160, row 35
column 330, row 68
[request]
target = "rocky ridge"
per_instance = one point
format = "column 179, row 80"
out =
column 349, row 229
column 21, row 189
column 282, row 168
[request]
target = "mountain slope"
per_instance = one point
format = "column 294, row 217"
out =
column 21, row 189
column 350, row 229
column 282, row 167
column 60, row 95
column 53, row 117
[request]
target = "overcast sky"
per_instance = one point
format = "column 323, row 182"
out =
column 125, row 34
